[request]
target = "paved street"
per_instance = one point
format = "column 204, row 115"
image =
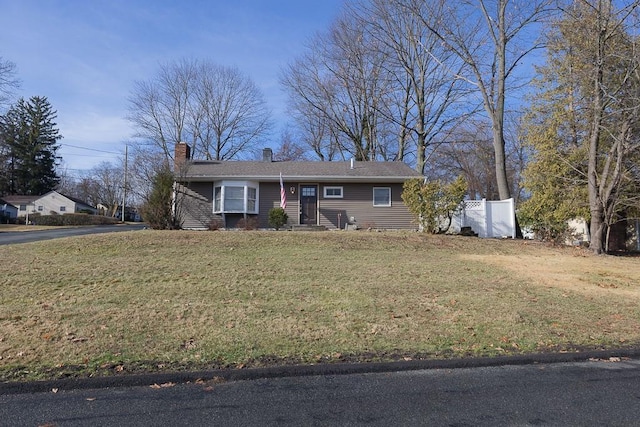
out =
column 561, row 394
column 13, row 237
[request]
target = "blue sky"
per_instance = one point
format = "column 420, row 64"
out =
column 84, row 55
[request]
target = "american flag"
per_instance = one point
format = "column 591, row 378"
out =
column 283, row 194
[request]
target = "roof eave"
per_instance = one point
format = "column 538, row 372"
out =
column 299, row 178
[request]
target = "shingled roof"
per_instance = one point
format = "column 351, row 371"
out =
column 300, row 171
column 20, row 200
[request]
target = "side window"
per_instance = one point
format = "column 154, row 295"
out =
column 217, row 206
column 381, row 196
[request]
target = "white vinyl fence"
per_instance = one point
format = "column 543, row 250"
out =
column 487, row 218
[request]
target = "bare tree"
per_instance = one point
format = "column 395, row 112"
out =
column 315, row 129
column 234, row 113
column 216, row 109
column 8, row 81
column 426, row 87
column 289, row 149
column 341, row 82
column 468, row 151
column 108, row 182
column 144, row 164
column 101, row 185
column 490, row 37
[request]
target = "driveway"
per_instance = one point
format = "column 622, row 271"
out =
column 14, row 237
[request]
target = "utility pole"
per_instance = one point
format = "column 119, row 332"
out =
column 124, row 181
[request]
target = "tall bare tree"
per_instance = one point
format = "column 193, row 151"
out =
column 491, row 38
column 232, row 113
column 341, row 80
column 468, row 152
column 426, row 84
column 216, row 109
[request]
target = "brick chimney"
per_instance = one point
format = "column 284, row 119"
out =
column 267, row 155
column 182, row 154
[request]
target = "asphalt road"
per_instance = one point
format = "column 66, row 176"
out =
column 559, row 394
column 13, row 237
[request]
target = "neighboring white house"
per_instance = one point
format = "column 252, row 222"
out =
column 54, row 202
column 48, row 204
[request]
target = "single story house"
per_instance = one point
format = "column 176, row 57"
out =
column 50, row 203
column 333, row 195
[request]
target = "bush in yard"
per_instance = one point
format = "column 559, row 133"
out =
column 277, row 218
column 215, row 224
column 433, row 203
column 72, row 219
column 249, row 223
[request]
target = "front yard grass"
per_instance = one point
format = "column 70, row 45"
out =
column 152, row 301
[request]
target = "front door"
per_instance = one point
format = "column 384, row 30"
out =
column 309, row 204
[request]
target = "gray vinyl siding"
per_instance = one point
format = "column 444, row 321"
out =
column 196, row 205
column 205, row 189
column 357, row 202
column 269, row 195
column 270, row 198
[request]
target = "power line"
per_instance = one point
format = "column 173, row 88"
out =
column 93, row 156
column 91, row 149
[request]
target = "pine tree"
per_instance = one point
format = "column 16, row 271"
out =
column 28, row 136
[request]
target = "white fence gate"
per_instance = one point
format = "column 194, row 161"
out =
column 488, row 218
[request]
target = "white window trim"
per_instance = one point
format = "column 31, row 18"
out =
column 246, row 185
column 386, row 205
column 331, row 196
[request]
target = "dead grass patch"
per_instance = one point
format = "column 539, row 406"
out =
column 149, row 300
column 572, row 270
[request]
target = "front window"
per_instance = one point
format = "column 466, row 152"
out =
column 381, row 196
column 235, row 197
column 63, row 208
column 23, row 207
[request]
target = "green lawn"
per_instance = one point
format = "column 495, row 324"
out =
column 151, row 300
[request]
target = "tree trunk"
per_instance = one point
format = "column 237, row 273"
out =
column 504, row 189
column 595, row 203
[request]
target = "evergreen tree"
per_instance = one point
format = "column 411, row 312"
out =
column 157, row 211
column 28, row 138
column 584, row 124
